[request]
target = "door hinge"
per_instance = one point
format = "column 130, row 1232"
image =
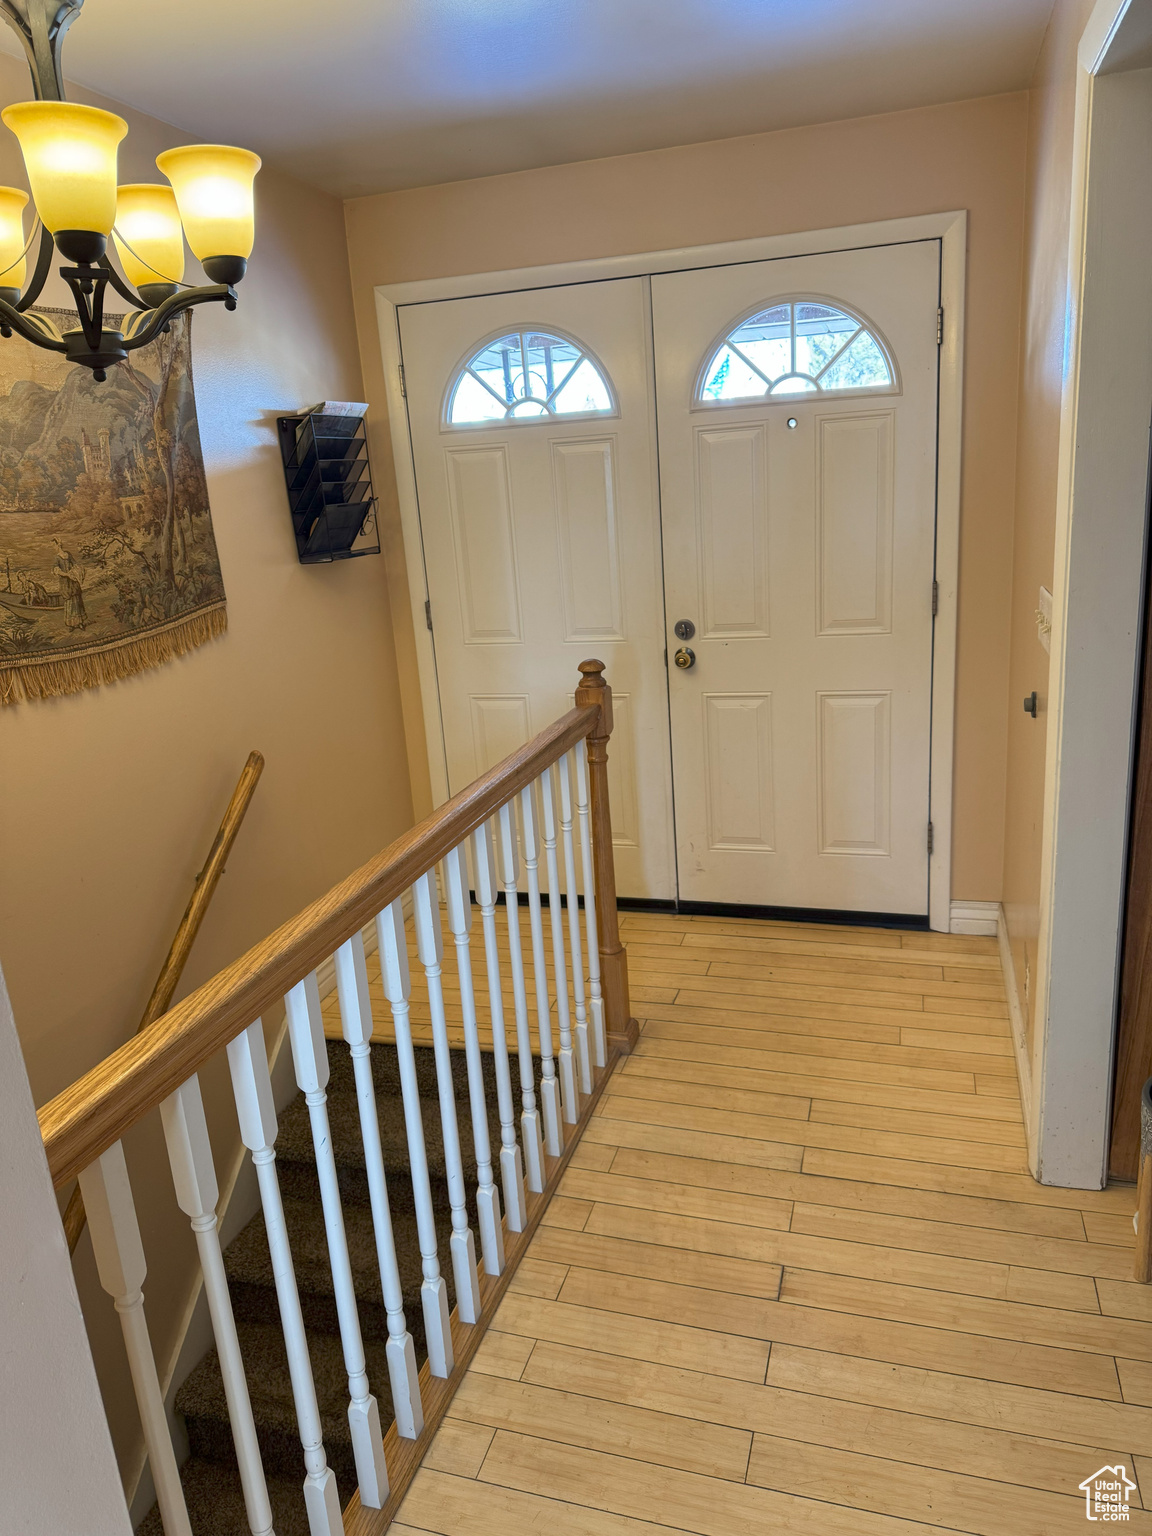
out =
column 931, row 837
column 940, row 326
column 403, row 385
column 428, row 612
column 935, row 598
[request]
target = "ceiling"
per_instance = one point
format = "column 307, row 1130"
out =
column 363, row 96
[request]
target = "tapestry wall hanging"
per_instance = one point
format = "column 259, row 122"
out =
column 108, row 563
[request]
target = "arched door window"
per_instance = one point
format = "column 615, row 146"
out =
column 796, row 347
column 528, row 375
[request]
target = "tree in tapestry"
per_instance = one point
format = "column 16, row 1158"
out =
column 108, row 561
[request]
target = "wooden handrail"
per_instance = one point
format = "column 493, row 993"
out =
column 177, row 957
column 95, row 1111
column 200, row 900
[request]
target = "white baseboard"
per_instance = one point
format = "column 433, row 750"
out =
column 1017, row 1022
column 979, row 918
column 986, row 919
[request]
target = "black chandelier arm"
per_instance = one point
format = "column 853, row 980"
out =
column 120, row 285
column 12, row 320
column 87, row 285
column 175, row 305
column 40, row 25
column 43, row 266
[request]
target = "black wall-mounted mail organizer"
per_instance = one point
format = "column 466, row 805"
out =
column 329, row 482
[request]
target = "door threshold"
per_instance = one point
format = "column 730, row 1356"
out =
column 837, row 918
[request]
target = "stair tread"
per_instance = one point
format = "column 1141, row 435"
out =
column 215, row 1502
column 270, row 1387
column 210, row 1479
column 248, row 1261
column 294, row 1143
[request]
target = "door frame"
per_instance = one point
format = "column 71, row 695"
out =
column 1097, row 603
column 951, row 229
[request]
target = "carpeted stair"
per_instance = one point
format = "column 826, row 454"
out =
column 210, row 1478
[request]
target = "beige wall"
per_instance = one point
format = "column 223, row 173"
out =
column 1043, row 344
column 111, row 798
column 968, row 155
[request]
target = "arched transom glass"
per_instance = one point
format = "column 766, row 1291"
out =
column 796, row 347
column 528, row 375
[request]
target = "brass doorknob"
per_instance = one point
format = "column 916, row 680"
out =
column 684, row 658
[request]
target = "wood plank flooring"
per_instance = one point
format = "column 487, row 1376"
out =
column 798, row 1278
column 420, row 1014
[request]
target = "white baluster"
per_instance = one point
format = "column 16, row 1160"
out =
column 569, row 1091
column 549, row 1084
column 574, row 944
column 511, row 1170
column 252, row 1088
column 529, row 1116
column 356, row 1020
column 583, row 812
column 487, row 1195
column 310, row 1059
column 430, row 948
column 194, row 1175
column 393, row 947
column 120, row 1263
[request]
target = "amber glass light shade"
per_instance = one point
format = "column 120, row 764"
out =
column 13, row 265
column 70, row 156
column 149, row 240
column 213, row 186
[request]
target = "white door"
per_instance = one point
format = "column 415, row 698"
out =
column 796, row 402
column 534, row 445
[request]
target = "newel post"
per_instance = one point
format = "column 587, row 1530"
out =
column 622, row 1029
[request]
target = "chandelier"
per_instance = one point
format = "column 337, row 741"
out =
column 70, row 157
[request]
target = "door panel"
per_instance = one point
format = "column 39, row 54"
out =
column 541, row 543
column 799, row 536
column 500, row 724
column 625, row 778
column 854, row 525
column 488, row 582
column 738, row 743
column 855, row 783
column 584, row 490
column 733, row 521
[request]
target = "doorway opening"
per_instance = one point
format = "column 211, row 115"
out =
column 735, row 479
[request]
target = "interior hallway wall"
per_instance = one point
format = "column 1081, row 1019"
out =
column 967, row 155
column 1046, row 322
column 111, row 797
column 56, row 1464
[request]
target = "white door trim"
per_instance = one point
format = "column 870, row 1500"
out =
column 1097, row 611
column 952, row 231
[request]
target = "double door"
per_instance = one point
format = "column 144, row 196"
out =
column 722, row 483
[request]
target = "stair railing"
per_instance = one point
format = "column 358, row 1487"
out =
column 552, row 792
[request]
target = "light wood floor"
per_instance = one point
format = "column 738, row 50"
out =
column 420, row 1014
column 798, row 1278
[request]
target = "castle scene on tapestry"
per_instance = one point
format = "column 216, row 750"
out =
column 108, row 563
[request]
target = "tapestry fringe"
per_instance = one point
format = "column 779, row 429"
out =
column 54, row 678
